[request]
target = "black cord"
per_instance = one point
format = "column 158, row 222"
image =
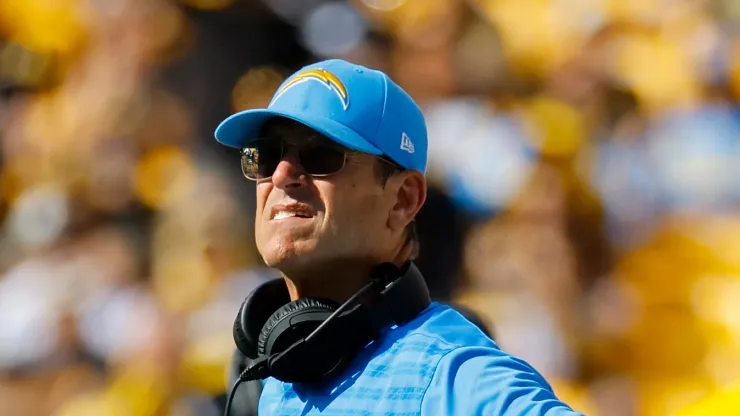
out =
column 257, row 371
column 347, row 304
column 231, row 396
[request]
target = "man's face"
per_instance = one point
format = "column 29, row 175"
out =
column 305, row 221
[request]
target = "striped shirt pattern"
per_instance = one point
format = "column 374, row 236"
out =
column 437, row 364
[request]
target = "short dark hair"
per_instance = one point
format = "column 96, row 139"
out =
column 385, row 168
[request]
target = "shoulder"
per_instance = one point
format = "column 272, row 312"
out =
column 445, row 326
column 477, row 380
column 472, row 375
column 436, row 332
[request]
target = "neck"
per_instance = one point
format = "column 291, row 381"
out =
column 336, row 281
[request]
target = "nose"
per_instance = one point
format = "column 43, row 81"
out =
column 289, row 173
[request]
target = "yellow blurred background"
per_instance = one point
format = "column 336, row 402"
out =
column 584, row 169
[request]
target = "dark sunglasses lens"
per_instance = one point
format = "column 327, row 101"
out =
column 261, row 161
column 322, row 160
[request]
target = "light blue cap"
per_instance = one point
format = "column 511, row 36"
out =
column 358, row 107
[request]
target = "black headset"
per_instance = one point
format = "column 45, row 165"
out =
column 311, row 340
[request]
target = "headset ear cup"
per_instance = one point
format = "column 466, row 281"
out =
column 240, row 338
column 261, row 303
column 310, row 312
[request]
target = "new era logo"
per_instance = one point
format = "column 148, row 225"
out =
column 406, row 143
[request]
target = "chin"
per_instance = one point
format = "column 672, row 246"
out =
column 287, row 255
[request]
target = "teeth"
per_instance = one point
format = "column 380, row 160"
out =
column 284, row 214
column 287, row 214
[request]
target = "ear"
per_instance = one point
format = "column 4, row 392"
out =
column 410, row 194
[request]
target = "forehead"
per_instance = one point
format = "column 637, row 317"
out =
column 293, row 132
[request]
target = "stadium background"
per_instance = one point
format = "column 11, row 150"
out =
column 584, row 164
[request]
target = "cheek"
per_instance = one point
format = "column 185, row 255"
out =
column 330, row 208
column 262, row 193
column 353, row 212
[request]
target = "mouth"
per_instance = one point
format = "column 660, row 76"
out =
column 281, row 212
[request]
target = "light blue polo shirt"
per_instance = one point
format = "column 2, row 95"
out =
column 437, row 364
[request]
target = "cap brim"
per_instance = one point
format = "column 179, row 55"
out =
column 242, row 128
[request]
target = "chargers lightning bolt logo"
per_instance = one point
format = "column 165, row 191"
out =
column 326, row 78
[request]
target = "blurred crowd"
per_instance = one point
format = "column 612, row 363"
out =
column 584, row 174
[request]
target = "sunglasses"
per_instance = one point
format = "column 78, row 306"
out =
column 261, row 159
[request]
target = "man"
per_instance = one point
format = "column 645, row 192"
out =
column 339, row 157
